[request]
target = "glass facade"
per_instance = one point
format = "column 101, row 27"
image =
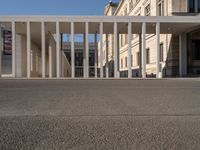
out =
column 6, row 52
column 191, row 6
column 79, row 61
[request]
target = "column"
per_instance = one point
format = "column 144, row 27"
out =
column 28, row 50
column 158, row 69
column 144, row 50
column 34, row 61
column 13, row 50
column 61, row 54
column 86, row 51
column 1, row 48
column 57, row 50
column 43, row 49
column 116, row 73
column 118, row 55
column 96, row 55
column 140, row 57
column 72, row 51
column 107, row 69
column 182, row 54
column 101, row 50
column 84, row 56
column 50, row 61
column 129, row 50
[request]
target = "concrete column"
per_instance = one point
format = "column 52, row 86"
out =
column 50, row 61
column 1, row 48
column 118, row 55
column 34, row 61
column 43, row 49
column 144, row 50
column 96, row 55
column 101, row 50
column 57, row 50
column 84, row 55
column 107, row 69
column 129, row 50
column 183, row 55
column 13, row 50
column 116, row 72
column 140, row 52
column 86, row 51
column 28, row 50
column 61, row 55
column 72, row 51
column 158, row 69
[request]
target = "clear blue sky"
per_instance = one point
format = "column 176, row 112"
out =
column 52, row 7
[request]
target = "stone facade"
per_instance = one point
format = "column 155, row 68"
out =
column 170, row 43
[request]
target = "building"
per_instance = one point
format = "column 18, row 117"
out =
column 79, row 55
column 169, row 43
column 135, row 39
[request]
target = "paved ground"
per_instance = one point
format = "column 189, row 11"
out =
column 100, row 114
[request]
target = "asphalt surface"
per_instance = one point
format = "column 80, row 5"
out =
column 100, row 114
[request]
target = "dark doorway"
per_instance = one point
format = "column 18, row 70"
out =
column 196, row 49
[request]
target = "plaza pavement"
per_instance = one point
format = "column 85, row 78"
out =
column 100, row 114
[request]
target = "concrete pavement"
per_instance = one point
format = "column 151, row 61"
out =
column 100, row 114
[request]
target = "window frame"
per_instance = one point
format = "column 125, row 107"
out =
column 160, row 8
column 126, row 62
column 138, row 59
column 122, row 63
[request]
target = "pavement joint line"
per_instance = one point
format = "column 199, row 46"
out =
column 112, row 115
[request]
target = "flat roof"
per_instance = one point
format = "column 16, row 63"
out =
column 168, row 24
column 62, row 18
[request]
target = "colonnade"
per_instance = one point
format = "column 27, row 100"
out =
column 130, row 31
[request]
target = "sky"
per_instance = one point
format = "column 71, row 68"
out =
column 53, row 7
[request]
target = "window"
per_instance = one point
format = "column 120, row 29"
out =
column 148, row 56
column 147, row 10
column 121, row 63
column 160, row 7
column 161, row 52
column 138, row 58
column 191, row 6
column 126, row 62
column 126, row 39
